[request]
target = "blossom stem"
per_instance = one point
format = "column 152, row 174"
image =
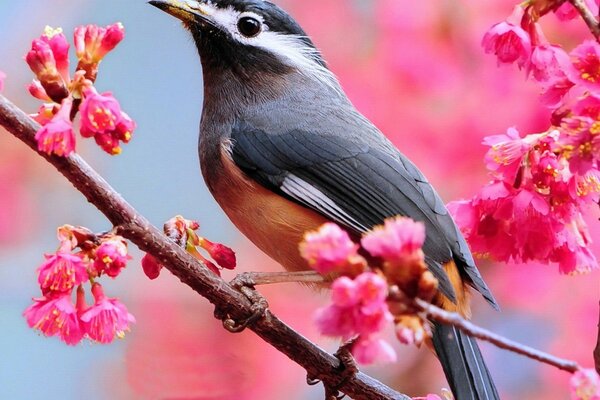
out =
column 135, row 227
column 439, row 315
column 587, row 16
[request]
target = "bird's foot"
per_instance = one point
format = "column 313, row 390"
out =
column 346, row 370
column 244, row 283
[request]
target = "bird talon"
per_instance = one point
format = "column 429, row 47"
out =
column 245, row 285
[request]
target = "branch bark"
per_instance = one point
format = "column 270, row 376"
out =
column 473, row 330
column 135, row 227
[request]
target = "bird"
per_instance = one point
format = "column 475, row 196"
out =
column 283, row 150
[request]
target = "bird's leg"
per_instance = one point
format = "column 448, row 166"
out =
column 346, row 370
column 267, row 278
column 245, row 283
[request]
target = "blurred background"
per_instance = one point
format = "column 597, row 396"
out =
column 415, row 68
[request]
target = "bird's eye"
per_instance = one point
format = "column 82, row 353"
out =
column 249, row 26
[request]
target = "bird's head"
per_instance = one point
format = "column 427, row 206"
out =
column 253, row 40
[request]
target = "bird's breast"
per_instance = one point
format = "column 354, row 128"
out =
column 273, row 223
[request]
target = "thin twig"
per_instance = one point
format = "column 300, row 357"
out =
column 135, row 227
column 588, row 17
column 471, row 329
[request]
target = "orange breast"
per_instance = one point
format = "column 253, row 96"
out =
column 274, row 224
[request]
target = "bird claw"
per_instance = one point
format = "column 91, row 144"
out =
column 346, row 370
column 244, row 284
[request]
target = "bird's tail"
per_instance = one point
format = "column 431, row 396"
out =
column 463, row 364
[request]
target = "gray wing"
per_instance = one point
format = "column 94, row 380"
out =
column 357, row 186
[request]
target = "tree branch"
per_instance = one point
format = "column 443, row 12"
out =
column 471, row 329
column 588, row 17
column 135, row 227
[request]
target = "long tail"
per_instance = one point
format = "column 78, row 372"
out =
column 463, row 364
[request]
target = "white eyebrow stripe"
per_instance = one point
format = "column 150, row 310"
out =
column 291, row 49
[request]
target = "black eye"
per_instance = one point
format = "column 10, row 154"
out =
column 249, row 26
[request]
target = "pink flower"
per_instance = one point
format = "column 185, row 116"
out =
column 37, row 90
column 548, row 62
column 92, row 42
column 55, row 317
column 57, row 136
column 61, row 272
column 223, row 255
column 328, row 249
column 567, row 12
column 585, row 385
column 111, row 256
column 2, row 78
column 45, row 113
column 358, row 307
column 151, row 266
column 100, row 113
column 102, row 118
column 506, row 152
column 106, row 319
column 585, row 66
column 508, row 41
column 373, row 350
column 60, row 50
column 579, row 141
column 400, row 238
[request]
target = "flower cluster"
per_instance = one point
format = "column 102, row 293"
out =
column 65, row 96
column 368, row 295
column 541, row 183
column 183, row 232
column 585, row 385
column 66, row 271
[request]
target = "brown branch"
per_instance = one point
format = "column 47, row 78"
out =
column 471, row 329
column 588, row 17
column 135, row 227
column 597, row 349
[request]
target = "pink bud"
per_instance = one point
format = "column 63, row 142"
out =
column 42, row 61
column 45, row 113
column 37, row 90
column 399, row 238
column 151, row 266
column 60, row 49
column 57, row 136
column 222, row 254
column 328, row 249
column 111, row 256
column 92, row 42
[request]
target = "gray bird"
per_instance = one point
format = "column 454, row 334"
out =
column 283, row 150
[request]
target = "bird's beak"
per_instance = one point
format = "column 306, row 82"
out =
column 188, row 11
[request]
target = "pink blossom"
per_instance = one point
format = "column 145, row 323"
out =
column 223, row 255
column 399, row 238
column 359, row 307
column 508, row 41
column 100, row 113
column 584, row 68
column 102, row 118
column 506, row 152
column 579, row 141
column 373, row 350
column 328, row 249
column 106, row 319
column 151, row 266
column 111, row 256
column 548, row 62
column 57, row 136
column 37, row 90
column 585, row 385
column 92, row 42
column 45, row 113
column 60, row 49
column 61, row 272
column 55, row 316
